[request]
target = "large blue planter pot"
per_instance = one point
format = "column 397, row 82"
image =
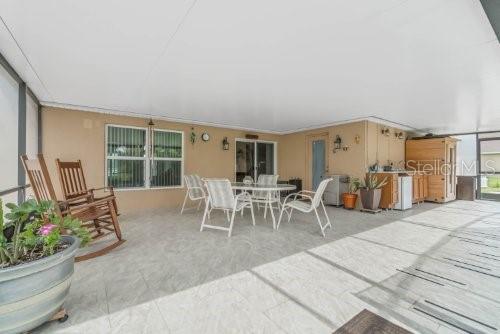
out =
column 31, row 293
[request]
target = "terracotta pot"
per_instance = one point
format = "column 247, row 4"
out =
column 349, row 200
column 370, row 198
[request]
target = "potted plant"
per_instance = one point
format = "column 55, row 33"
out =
column 370, row 191
column 36, row 263
column 349, row 199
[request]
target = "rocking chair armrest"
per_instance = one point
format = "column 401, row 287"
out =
column 107, row 200
column 102, row 188
column 63, row 206
column 80, row 197
column 108, row 188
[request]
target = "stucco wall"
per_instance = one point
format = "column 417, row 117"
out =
column 70, row 135
column 385, row 149
column 293, row 148
column 372, row 147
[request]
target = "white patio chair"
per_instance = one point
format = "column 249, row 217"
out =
column 195, row 191
column 307, row 206
column 221, row 197
column 261, row 196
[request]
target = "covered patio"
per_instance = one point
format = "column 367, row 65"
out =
column 224, row 166
column 438, row 274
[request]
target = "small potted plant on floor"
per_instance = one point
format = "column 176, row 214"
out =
column 36, row 263
column 370, row 192
column 349, row 199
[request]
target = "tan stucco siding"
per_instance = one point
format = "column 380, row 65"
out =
column 70, row 135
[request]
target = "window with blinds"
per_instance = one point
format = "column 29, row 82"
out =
column 166, row 162
column 140, row 158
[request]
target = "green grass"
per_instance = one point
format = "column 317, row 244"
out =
column 493, row 185
column 490, row 190
column 493, row 181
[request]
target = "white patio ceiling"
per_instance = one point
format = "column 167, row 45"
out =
column 273, row 65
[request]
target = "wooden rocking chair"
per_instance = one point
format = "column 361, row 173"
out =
column 98, row 216
column 74, row 187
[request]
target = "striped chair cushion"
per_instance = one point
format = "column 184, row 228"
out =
column 265, row 180
column 221, row 193
column 193, row 183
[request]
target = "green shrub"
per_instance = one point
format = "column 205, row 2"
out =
column 493, row 181
column 33, row 230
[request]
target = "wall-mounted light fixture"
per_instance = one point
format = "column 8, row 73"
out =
column 345, row 148
column 337, row 144
column 386, row 132
column 225, row 144
column 357, row 139
column 399, row 135
column 192, row 136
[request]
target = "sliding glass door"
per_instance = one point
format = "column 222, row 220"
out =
column 489, row 156
column 254, row 158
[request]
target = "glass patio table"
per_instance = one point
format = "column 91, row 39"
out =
column 271, row 194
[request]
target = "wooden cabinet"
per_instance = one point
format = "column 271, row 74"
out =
column 435, row 159
column 389, row 196
column 420, row 188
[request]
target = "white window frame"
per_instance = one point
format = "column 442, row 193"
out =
column 181, row 159
column 148, row 158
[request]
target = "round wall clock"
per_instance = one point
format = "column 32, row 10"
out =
column 205, row 136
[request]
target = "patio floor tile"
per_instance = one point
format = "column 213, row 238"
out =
column 431, row 269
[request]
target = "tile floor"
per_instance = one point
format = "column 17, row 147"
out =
column 432, row 269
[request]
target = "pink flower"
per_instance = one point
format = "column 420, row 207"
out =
column 46, row 229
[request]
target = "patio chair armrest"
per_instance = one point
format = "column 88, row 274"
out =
column 201, row 188
column 300, row 193
column 243, row 195
column 306, row 196
column 306, row 191
column 287, row 197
